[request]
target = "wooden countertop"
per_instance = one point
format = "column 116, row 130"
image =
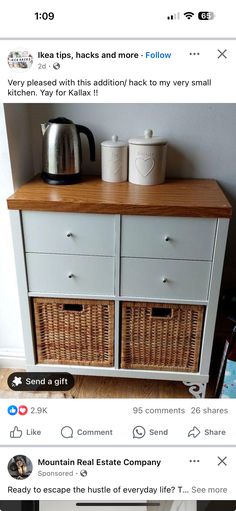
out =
column 175, row 197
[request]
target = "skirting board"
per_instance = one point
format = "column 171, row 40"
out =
column 12, row 359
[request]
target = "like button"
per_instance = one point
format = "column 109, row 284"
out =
column 16, row 433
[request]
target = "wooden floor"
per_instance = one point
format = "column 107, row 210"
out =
column 98, row 387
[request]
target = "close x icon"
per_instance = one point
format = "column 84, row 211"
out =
column 222, row 54
column 222, row 461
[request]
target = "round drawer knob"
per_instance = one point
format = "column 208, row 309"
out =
column 69, row 234
column 167, row 238
column 70, row 276
column 164, row 280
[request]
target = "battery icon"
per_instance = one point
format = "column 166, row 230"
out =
column 206, row 15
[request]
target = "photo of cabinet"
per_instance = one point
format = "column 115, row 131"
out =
column 120, row 280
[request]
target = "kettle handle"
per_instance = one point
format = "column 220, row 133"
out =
column 88, row 133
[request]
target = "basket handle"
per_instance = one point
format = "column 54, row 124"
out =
column 75, row 307
column 162, row 312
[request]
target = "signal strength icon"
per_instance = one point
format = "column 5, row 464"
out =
column 189, row 15
column 175, row 16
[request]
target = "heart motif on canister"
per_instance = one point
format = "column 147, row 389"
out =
column 144, row 165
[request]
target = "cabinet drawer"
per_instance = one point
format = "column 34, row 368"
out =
column 170, row 280
column 69, row 233
column 168, row 238
column 67, row 274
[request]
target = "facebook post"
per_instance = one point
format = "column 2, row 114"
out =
column 117, row 267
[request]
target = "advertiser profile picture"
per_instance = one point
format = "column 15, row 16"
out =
column 20, row 59
column 20, row 467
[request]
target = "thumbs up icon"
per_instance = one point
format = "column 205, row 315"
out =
column 16, row 433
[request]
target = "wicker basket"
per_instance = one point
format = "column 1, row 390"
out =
column 76, row 332
column 164, row 337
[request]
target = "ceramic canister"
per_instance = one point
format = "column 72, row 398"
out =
column 147, row 159
column 114, row 160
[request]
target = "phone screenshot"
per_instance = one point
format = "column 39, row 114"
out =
column 118, row 256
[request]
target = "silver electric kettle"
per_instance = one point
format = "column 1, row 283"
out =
column 62, row 150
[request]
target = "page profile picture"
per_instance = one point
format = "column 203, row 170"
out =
column 20, row 59
column 20, row 467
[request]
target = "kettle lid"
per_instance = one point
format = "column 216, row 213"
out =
column 60, row 120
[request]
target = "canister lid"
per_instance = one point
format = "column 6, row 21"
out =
column 148, row 139
column 114, row 142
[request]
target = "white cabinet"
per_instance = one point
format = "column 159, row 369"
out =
column 93, row 245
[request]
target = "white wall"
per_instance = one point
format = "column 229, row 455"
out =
column 20, row 143
column 16, row 168
column 11, row 341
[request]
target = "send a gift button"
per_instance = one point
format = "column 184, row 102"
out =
column 40, row 381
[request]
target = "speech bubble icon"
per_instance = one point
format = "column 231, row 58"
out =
column 139, row 432
column 67, row 432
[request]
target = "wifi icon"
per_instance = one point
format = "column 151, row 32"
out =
column 189, row 15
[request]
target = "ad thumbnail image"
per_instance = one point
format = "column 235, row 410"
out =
column 122, row 267
column 164, row 505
